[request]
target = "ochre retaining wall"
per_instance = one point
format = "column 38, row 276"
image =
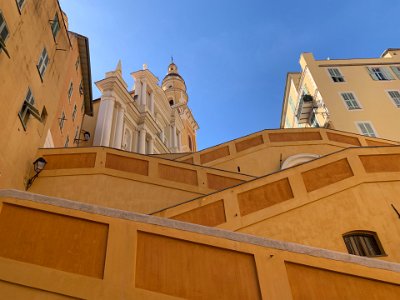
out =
column 58, row 249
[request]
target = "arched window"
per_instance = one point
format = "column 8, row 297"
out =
column 190, row 143
column 363, row 243
column 171, row 102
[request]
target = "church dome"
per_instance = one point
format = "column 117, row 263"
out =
column 173, row 80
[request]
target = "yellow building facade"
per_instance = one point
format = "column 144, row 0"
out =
column 353, row 95
column 136, row 212
column 45, row 85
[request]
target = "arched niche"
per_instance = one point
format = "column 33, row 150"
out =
column 297, row 159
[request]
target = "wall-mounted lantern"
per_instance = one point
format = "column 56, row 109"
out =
column 38, row 166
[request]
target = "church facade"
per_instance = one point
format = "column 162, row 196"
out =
column 150, row 119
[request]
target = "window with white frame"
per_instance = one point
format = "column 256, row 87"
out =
column 20, row 3
column 43, row 62
column 395, row 96
column 55, row 26
column 28, row 109
column 70, row 90
column 3, row 28
column 336, row 75
column 350, row 101
column 396, row 70
column 380, row 73
column 74, row 112
column 366, row 128
column 61, row 121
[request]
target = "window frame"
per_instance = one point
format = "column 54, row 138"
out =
column 70, row 91
column 43, row 61
column 66, row 144
column 396, row 104
column 74, row 112
column 20, row 6
column 375, row 134
column 385, row 74
column 61, row 121
column 333, row 76
column 2, row 26
column 357, row 244
column 55, row 29
column 27, row 109
column 359, row 106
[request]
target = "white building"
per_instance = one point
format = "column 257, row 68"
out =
column 150, row 119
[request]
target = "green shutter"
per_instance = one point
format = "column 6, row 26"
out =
column 388, row 75
column 396, row 70
column 372, row 74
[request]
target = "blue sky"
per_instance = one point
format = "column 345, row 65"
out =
column 233, row 55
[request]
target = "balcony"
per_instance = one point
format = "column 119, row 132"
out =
column 305, row 109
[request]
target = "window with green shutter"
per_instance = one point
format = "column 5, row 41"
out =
column 43, row 62
column 380, row 73
column 395, row 96
column 28, row 108
column 396, row 70
column 55, row 26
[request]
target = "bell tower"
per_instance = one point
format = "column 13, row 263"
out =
column 174, row 86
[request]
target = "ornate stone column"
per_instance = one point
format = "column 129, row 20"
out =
column 119, row 127
column 104, row 122
column 173, row 136
column 142, row 141
column 151, row 146
column 152, row 103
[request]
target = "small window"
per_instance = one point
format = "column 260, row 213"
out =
column 55, row 26
column 336, row 75
column 366, row 129
column 3, row 30
column 61, row 121
column 350, row 101
column 43, row 62
column 81, row 88
column 171, row 102
column 66, row 142
column 77, row 63
column 74, row 112
column 20, row 3
column 28, row 109
column 395, row 96
column 380, row 73
column 70, row 90
column 363, row 243
column 76, row 137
